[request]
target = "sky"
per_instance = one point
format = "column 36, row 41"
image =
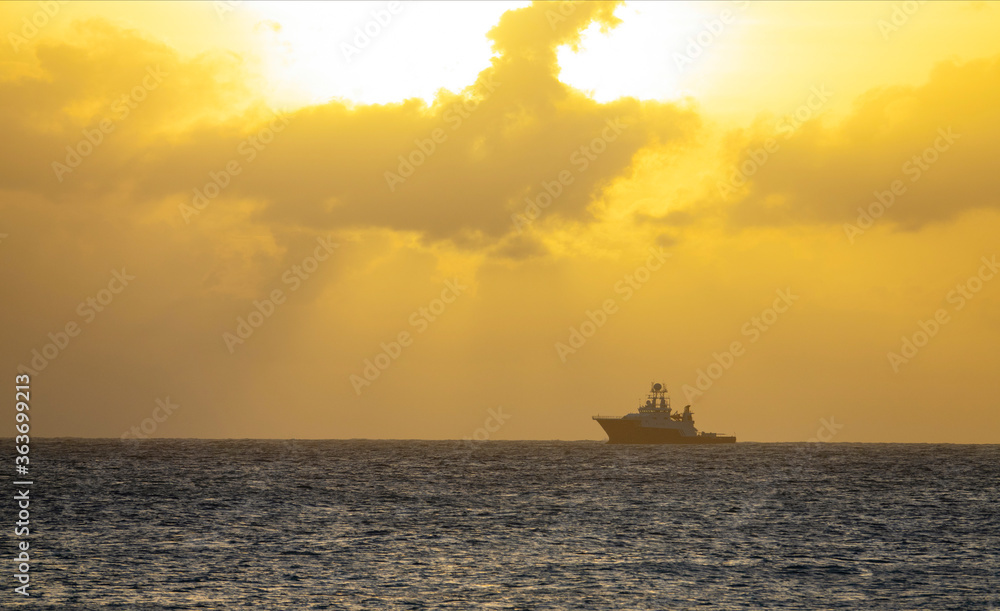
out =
column 496, row 220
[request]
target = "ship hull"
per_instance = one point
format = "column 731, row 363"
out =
column 621, row 430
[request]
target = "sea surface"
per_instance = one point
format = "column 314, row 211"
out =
column 191, row 524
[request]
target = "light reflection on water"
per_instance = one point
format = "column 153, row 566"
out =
column 511, row 525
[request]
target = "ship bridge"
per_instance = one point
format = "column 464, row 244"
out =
column 658, row 403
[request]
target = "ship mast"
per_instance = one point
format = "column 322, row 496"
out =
column 657, row 401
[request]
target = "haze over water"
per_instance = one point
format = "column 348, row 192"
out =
column 168, row 524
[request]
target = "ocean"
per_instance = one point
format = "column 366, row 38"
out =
column 195, row 524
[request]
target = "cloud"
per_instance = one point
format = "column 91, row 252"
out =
column 460, row 167
column 142, row 90
column 455, row 169
column 822, row 173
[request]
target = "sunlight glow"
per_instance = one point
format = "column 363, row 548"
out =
column 637, row 57
column 374, row 52
column 382, row 52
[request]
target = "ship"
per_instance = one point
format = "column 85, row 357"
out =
column 656, row 423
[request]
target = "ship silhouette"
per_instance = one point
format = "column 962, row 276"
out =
column 656, row 423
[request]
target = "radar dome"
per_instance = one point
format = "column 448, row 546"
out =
column 657, row 386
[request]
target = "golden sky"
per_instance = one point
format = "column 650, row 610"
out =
column 392, row 220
